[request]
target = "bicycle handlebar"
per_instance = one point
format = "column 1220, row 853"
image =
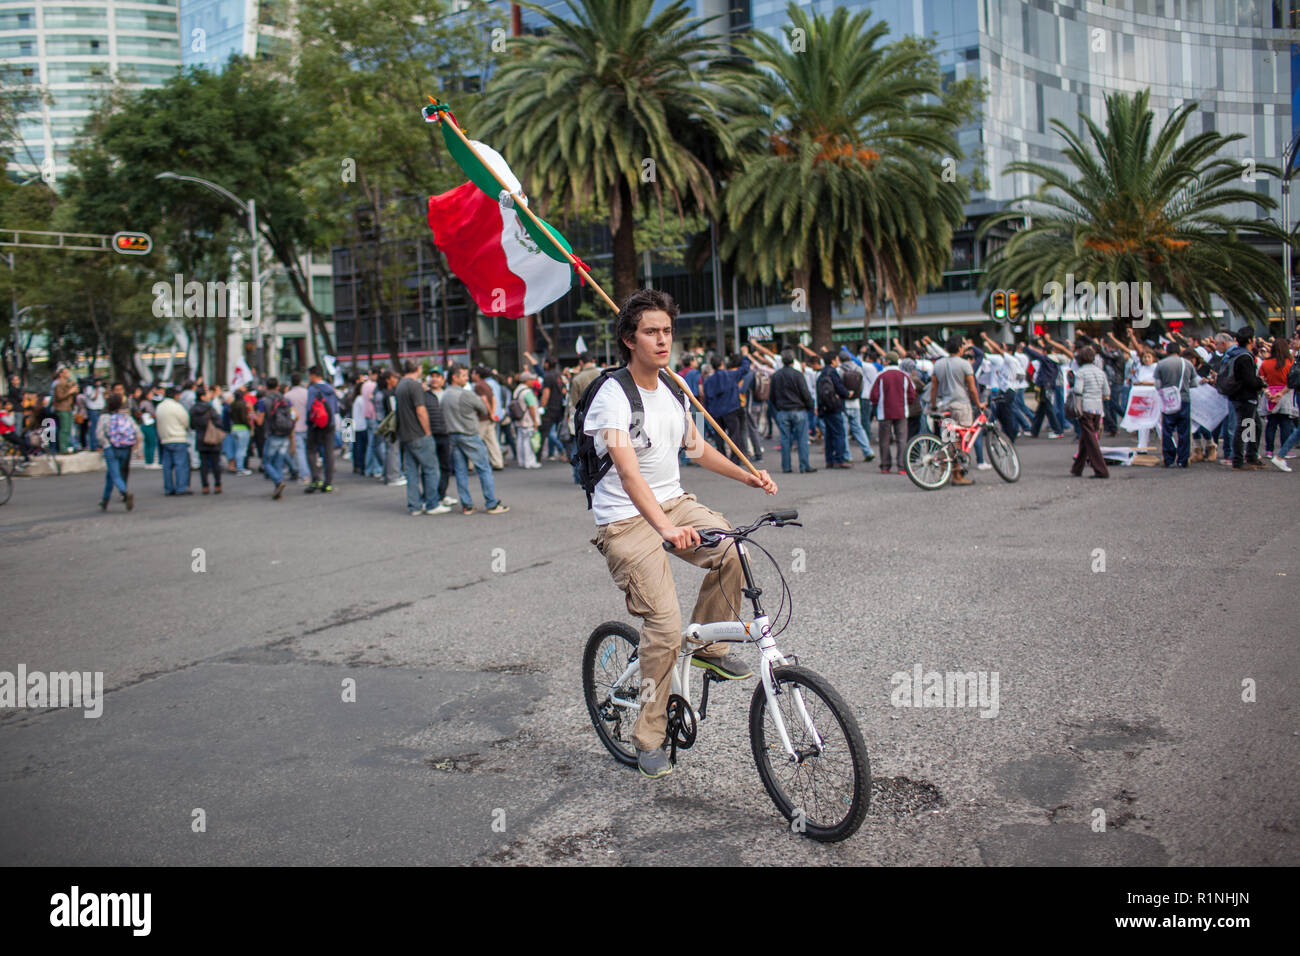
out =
column 709, row 537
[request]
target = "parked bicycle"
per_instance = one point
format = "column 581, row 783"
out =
column 805, row 740
column 931, row 460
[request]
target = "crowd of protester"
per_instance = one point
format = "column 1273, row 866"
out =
column 418, row 428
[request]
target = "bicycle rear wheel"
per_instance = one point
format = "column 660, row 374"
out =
column 928, row 462
column 6, row 482
column 825, row 792
column 610, row 649
column 1002, row 455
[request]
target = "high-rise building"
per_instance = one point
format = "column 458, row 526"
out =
column 73, row 51
column 212, row 31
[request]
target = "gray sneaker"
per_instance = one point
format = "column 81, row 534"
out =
column 653, row 763
column 730, row 667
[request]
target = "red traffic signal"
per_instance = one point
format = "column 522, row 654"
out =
column 1013, row 305
column 132, row 243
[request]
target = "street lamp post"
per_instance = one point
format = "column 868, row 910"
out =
column 249, row 208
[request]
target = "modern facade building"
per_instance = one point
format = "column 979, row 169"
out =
column 73, row 51
column 212, row 31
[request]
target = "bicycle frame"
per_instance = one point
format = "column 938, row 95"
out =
column 967, row 435
column 754, row 632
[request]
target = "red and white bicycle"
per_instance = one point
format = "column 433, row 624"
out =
column 931, row 460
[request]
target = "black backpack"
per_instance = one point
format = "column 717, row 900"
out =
column 1226, row 381
column 828, row 400
column 280, row 422
column 592, row 467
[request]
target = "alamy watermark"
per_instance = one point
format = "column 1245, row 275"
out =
column 194, row 299
column 23, row 688
column 950, row 689
column 1085, row 301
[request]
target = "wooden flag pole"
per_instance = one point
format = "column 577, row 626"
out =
column 581, row 268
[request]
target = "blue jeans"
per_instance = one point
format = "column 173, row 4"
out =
column 1176, row 435
column 1228, row 431
column 118, row 461
column 794, row 429
column 833, row 430
column 467, row 448
column 275, row 457
column 1020, row 410
column 1288, row 443
column 92, row 423
column 176, row 467
column 853, row 421
column 300, row 453
column 422, row 464
column 241, row 436
column 374, row 450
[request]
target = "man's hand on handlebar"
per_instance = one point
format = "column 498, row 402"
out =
column 686, row 537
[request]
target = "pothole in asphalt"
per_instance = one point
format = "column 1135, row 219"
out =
column 463, row 763
column 1115, row 733
column 515, row 669
column 903, row 796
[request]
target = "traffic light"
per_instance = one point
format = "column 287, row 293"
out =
column 999, row 306
column 132, row 243
column 1013, row 305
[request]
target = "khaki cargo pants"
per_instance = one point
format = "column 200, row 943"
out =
column 641, row 569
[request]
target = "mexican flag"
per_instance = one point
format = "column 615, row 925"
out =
column 491, row 248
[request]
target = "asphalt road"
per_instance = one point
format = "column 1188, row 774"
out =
column 1120, row 691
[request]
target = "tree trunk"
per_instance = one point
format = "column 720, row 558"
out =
column 624, row 245
column 819, row 308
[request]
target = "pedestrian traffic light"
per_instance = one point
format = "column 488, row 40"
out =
column 999, row 306
column 132, row 243
column 1013, row 305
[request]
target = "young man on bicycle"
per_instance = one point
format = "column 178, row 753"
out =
column 954, row 390
column 639, row 504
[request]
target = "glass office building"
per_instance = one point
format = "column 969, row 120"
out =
column 73, row 51
column 212, row 31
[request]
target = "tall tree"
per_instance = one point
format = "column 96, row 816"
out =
column 855, row 186
column 243, row 129
column 615, row 104
column 364, row 70
column 1141, row 210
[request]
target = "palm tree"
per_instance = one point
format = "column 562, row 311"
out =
column 1140, row 211
column 849, row 189
column 611, row 104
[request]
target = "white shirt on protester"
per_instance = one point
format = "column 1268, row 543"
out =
column 665, row 427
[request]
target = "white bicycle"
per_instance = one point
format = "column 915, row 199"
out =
column 805, row 740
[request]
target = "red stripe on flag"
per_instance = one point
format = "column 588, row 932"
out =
column 467, row 227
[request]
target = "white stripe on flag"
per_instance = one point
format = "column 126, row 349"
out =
column 545, row 280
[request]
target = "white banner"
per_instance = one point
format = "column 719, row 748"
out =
column 1143, row 408
column 1209, row 407
column 241, row 374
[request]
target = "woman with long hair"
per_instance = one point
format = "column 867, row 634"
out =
column 202, row 414
column 1279, row 401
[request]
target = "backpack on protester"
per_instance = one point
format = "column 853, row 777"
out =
column 1226, row 381
column 762, row 384
column 121, row 431
column 591, row 466
column 1073, row 401
column 280, row 422
column 852, row 377
column 319, row 416
column 828, row 400
column 517, row 410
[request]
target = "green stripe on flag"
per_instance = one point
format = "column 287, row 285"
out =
column 548, row 239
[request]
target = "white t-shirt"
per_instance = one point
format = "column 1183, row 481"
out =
column 656, row 444
column 1020, row 379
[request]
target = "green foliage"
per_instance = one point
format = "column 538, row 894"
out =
column 847, row 184
column 1141, row 210
column 612, row 106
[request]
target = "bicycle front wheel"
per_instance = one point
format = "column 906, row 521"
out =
column 611, row 683
column 824, row 790
column 6, row 483
column 1002, row 455
column 928, row 462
